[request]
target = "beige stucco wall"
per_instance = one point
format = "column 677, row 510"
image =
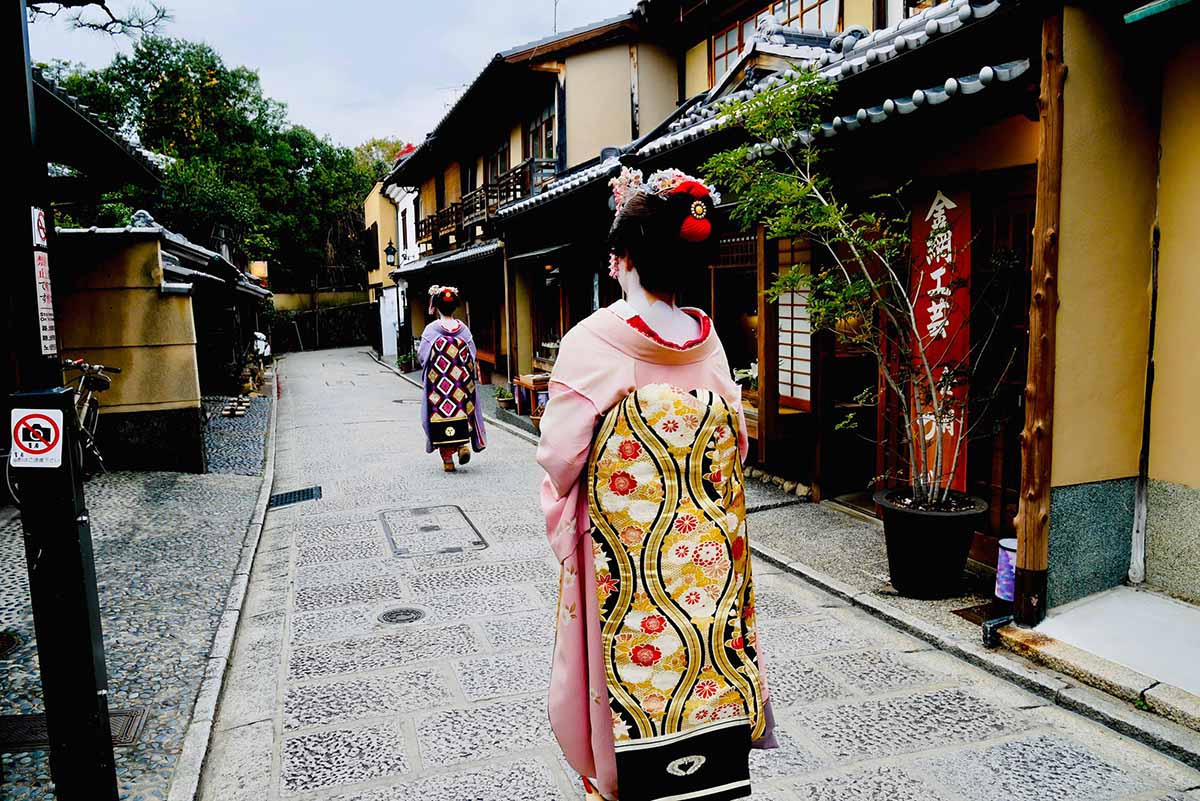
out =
column 597, row 102
column 1011, row 142
column 294, row 301
column 516, row 146
column 452, row 175
column 695, row 70
column 658, row 85
column 1109, row 148
column 858, row 12
column 428, row 198
column 111, row 311
column 378, row 209
column 1175, row 420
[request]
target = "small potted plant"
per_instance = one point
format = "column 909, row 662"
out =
column 504, row 398
column 886, row 292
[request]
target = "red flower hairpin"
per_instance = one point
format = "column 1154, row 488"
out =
column 696, row 226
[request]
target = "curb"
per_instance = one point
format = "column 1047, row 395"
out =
column 185, row 783
column 500, row 424
column 1160, row 734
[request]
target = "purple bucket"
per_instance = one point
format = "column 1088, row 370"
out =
column 1005, row 565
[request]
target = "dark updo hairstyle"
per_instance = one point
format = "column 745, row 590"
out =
column 668, row 238
column 445, row 301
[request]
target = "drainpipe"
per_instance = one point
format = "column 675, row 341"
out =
column 1137, row 558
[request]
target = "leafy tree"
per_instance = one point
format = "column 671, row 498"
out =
column 378, row 155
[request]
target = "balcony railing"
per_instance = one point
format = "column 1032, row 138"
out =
column 449, row 220
column 527, row 178
column 426, row 228
column 479, row 205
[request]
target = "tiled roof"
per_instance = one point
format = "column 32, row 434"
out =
column 565, row 184
column 156, row 163
column 468, row 254
column 850, row 53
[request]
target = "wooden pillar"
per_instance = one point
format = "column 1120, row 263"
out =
column 1033, row 514
column 510, row 318
column 767, row 258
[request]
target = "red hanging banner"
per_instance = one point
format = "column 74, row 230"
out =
column 941, row 294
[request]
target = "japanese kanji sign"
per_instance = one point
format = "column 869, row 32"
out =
column 36, row 438
column 941, row 293
column 45, row 303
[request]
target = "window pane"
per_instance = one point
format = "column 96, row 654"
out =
column 812, row 18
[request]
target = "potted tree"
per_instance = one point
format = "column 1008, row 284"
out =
column 869, row 291
column 504, row 398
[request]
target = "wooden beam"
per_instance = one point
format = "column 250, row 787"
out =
column 1033, row 512
column 767, row 258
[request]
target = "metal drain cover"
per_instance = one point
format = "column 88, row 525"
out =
column 28, row 732
column 429, row 530
column 9, row 642
column 401, row 615
column 294, row 496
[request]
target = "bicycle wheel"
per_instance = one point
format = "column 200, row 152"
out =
column 90, row 459
column 11, row 484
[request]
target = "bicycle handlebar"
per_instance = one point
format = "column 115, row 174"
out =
column 80, row 364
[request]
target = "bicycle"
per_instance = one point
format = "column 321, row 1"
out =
column 93, row 379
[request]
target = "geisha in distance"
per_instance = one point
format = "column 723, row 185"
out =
column 657, row 688
column 450, row 412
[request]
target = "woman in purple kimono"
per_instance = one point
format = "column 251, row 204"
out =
column 450, row 411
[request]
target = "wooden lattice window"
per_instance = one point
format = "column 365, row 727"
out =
column 738, row 251
column 795, row 331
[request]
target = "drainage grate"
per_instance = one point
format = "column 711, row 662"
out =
column 28, row 732
column 430, row 530
column 407, row 400
column 295, row 496
column 9, row 642
column 401, row 615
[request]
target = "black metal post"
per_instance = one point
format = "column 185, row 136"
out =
column 58, row 542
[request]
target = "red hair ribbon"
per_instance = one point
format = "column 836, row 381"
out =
column 696, row 226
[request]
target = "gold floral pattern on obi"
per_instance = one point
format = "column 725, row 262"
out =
column 672, row 565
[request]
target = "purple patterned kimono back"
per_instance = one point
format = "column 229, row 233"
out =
column 448, row 360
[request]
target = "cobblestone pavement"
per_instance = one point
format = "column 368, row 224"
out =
column 236, row 445
column 327, row 702
column 166, row 547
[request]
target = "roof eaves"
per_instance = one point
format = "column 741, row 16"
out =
column 550, row 44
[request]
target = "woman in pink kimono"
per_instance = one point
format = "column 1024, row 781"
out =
column 657, row 689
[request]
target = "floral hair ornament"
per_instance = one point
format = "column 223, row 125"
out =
column 696, row 227
column 447, row 293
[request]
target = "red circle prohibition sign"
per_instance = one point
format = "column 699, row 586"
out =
column 41, row 225
column 24, row 423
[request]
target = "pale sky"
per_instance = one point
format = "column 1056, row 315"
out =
column 352, row 69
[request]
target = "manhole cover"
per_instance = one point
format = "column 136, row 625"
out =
column 294, row 496
column 430, row 530
column 405, row 614
column 9, row 642
column 28, row 732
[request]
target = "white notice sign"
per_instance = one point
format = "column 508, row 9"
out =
column 39, row 226
column 45, row 302
column 36, row 438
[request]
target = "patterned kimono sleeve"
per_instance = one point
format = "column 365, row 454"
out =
column 567, row 427
column 425, row 347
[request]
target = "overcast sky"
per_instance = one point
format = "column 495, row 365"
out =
column 352, row 69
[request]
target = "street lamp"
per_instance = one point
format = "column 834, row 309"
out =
column 390, row 253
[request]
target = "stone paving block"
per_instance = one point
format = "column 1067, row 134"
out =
column 454, row 736
column 496, row 552
column 490, row 602
column 338, row 532
column 791, row 758
column 521, row 780
column 798, row 681
column 874, row 672
column 393, row 650
column 518, row 532
column 340, row 551
column 342, row 756
column 338, row 572
column 1035, row 768
column 486, row 677
column 334, row 624
column 771, row 603
column 244, row 754
column 533, row 629
column 883, row 783
column 547, row 591
column 798, row 638
column 345, row 593
column 335, row 702
column 483, row 576
column 906, row 723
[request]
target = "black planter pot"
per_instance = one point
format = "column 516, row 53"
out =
column 927, row 551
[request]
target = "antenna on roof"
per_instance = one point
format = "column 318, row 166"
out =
column 556, row 16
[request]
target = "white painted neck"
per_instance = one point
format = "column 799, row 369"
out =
column 660, row 313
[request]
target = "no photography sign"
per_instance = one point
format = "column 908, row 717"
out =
column 36, row 438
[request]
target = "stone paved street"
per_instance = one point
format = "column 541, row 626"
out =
column 325, row 700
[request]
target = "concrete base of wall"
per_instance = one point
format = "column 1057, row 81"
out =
column 171, row 440
column 1091, row 526
column 1173, row 539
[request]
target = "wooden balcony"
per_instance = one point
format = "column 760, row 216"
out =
column 449, row 220
column 479, row 205
column 525, row 179
column 426, row 228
